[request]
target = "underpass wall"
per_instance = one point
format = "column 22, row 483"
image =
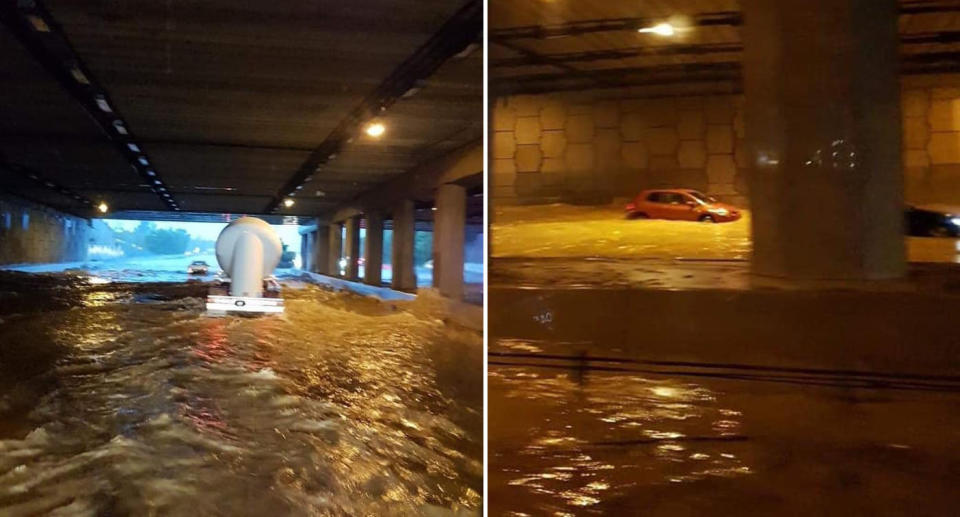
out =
column 931, row 139
column 31, row 233
column 595, row 146
column 592, row 147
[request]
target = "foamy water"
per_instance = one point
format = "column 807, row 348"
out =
column 343, row 405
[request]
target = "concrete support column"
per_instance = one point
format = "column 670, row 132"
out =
column 335, row 249
column 373, row 250
column 321, row 250
column 448, row 234
column 404, row 276
column 306, row 257
column 823, row 128
column 352, row 247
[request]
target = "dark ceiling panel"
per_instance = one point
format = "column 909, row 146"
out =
column 229, row 98
column 539, row 47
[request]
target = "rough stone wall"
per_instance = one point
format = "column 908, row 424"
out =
column 32, row 233
column 585, row 148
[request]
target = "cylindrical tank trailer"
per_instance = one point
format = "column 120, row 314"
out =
column 248, row 251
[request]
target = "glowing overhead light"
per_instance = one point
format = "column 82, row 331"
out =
column 133, row 147
column 661, row 29
column 38, row 24
column 288, row 202
column 118, row 125
column 102, row 207
column 103, row 104
column 376, row 129
column 143, row 160
column 79, row 76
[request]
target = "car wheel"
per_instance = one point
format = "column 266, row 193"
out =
column 707, row 219
column 939, row 231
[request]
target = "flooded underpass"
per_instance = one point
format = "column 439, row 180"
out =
column 568, row 231
column 575, row 435
column 126, row 399
column 638, row 367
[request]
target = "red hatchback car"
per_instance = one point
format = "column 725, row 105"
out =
column 681, row 205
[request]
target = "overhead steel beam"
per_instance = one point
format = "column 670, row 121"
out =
column 42, row 37
column 622, row 77
column 205, row 217
column 580, row 27
column 928, row 6
column 723, row 18
column 622, row 53
column 561, row 59
column 463, row 29
column 540, row 59
column 86, row 212
column 911, row 64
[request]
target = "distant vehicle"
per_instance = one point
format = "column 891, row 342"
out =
column 198, row 267
column 933, row 221
column 680, row 205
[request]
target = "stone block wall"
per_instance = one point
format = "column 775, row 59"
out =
column 593, row 147
column 33, row 233
column 587, row 148
column 931, row 140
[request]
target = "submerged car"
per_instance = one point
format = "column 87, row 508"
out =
column 681, row 205
column 198, row 267
column 933, row 221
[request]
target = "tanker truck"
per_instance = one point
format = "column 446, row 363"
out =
column 248, row 251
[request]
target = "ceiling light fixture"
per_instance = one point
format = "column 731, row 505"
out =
column 376, row 129
column 103, row 104
column 79, row 76
column 661, row 29
column 288, row 202
column 38, row 24
column 102, row 207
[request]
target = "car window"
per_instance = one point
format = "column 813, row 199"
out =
column 676, row 199
column 702, row 197
column 656, row 197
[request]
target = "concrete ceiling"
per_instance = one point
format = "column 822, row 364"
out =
column 572, row 45
column 230, row 101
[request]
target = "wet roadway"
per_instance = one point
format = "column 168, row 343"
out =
column 125, row 399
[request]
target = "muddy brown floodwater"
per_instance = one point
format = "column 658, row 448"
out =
column 603, row 231
column 570, row 438
column 122, row 399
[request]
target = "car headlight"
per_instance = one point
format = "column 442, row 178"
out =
column 955, row 221
column 721, row 211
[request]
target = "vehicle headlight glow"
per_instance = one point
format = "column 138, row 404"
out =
column 955, row 221
column 721, row 211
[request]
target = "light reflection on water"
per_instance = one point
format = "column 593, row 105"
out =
column 341, row 406
column 603, row 231
column 583, row 440
column 570, row 438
